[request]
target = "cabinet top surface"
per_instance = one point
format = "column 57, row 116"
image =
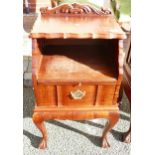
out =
column 93, row 27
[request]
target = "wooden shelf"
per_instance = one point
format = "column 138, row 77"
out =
column 103, row 27
column 83, row 64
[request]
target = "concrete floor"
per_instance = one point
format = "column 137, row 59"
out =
column 73, row 137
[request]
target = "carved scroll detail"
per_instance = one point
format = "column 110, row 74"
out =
column 74, row 9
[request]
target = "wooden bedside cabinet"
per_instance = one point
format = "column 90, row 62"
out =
column 77, row 66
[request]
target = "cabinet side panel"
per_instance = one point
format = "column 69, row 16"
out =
column 120, row 59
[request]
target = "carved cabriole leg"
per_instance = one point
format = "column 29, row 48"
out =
column 112, row 117
column 127, row 136
column 38, row 120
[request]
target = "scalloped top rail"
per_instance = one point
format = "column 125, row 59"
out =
column 77, row 27
column 74, row 9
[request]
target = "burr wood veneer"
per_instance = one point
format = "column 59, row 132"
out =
column 77, row 68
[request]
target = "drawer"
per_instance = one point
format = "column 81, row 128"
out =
column 105, row 94
column 76, row 95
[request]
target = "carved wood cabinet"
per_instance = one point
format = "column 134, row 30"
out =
column 77, row 66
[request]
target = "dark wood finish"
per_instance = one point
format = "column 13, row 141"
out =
column 77, row 69
column 127, row 84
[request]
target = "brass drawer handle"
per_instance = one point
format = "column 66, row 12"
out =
column 78, row 94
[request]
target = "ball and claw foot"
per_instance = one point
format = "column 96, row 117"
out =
column 127, row 137
column 105, row 143
column 43, row 144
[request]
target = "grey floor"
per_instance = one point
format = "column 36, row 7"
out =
column 73, row 137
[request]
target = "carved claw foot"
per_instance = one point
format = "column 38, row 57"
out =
column 105, row 143
column 127, row 137
column 43, row 144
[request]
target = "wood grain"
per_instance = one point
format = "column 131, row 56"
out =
column 73, row 54
column 66, row 99
column 104, row 27
column 73, row 9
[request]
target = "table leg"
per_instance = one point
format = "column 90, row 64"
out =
column 113, row 117
column 38, row 120
column 127, row 136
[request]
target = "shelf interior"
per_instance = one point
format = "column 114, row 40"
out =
column 84, row 63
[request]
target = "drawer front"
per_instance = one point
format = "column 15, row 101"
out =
column 45, row 95
column 105, row 95
column 76, row 95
